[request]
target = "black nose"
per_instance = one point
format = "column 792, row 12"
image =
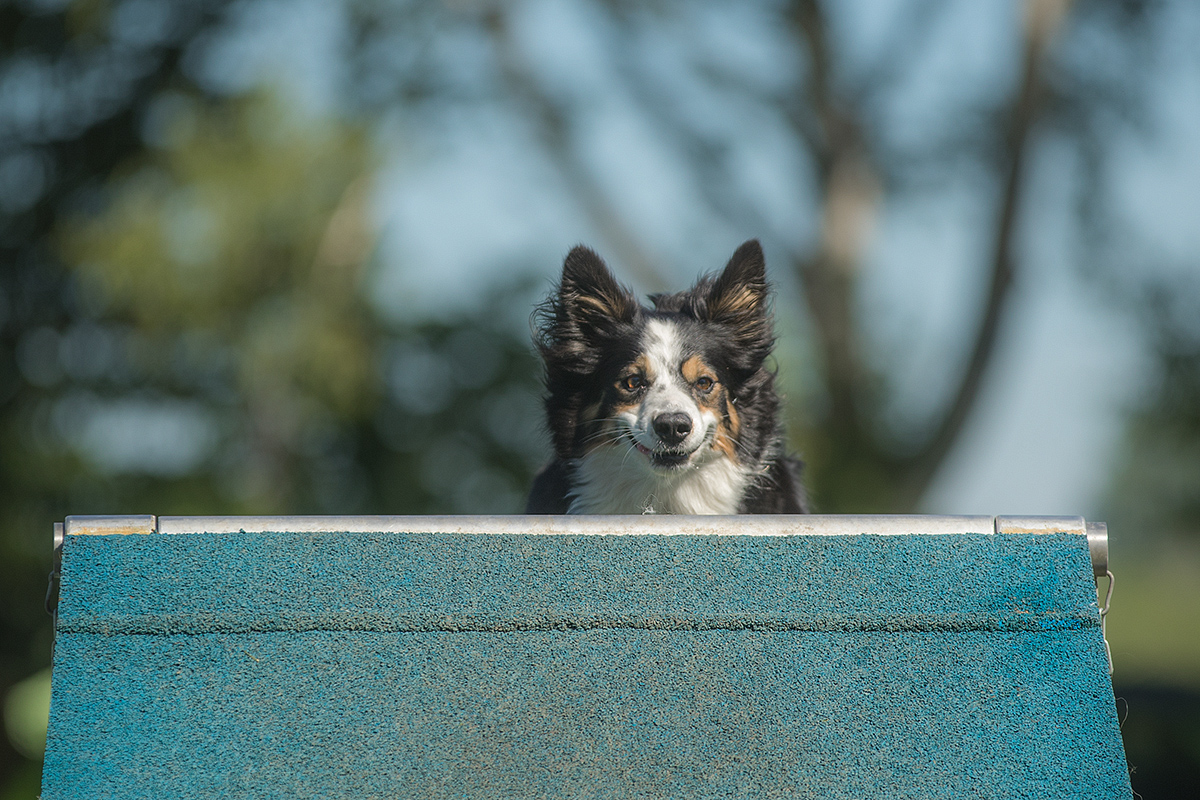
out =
column 672, row 428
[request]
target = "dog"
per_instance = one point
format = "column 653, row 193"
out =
column 663, row 410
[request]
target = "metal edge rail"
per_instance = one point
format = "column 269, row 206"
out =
column 661, row 525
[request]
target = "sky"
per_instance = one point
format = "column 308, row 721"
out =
column 1069, row 365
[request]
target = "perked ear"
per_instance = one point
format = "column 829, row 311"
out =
column 740, row 291
column 739, row 298
column 590, row 296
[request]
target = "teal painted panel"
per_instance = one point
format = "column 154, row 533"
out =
column 276, row 665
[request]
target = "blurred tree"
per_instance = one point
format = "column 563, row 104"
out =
column 74, row 85
column 1156, row 490
column 184, row 323
column 832, row 121
column 235, row 256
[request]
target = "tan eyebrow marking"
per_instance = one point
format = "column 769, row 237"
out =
column 693, row 368
column 642, row 364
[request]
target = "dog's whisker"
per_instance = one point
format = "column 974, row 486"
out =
column 611, row 437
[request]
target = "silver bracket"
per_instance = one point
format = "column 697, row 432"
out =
column 1097, row 536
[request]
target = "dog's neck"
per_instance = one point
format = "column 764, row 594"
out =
column 612, row 480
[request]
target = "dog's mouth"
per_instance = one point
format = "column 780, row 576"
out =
column 665, row 459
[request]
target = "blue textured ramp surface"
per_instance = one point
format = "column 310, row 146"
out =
column 425, row 665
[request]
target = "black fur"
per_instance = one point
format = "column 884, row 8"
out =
column 589, row 331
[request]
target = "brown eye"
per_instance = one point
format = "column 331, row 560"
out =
column 704, row 384
column 633, row 382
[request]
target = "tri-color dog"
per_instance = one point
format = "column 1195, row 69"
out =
column 666, row 410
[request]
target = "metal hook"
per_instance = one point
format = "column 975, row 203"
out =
column 1104, row 619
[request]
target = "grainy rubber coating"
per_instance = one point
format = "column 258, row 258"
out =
column 397, row 665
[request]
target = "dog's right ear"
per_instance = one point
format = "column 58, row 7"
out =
column 591, row 294
column 587, row 310
column 591, row 304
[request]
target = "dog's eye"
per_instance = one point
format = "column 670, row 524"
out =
column 705, row 384
column 633, row 382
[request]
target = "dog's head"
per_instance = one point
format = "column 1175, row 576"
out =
column 671, row 382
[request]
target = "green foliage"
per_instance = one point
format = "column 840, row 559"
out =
column 76, row 92
column 235, row 256
column 1156, row 486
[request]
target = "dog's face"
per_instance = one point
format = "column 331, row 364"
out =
column 666, row 387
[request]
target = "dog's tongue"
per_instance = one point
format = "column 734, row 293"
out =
column 642, row 448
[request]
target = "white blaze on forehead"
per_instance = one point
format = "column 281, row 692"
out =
column 660, row 341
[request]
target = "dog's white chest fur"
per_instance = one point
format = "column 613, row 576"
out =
column 613, row 480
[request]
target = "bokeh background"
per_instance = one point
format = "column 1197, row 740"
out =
column 265, row 257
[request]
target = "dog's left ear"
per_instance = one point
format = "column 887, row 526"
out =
column 740, row 300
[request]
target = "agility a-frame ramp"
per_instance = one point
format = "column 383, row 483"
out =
column 422, row 657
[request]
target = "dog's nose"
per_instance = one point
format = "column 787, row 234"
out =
column 672, row 428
